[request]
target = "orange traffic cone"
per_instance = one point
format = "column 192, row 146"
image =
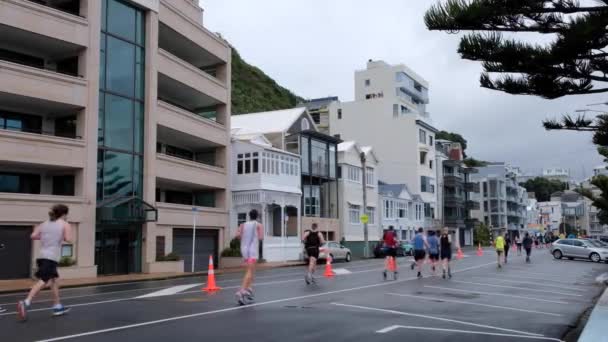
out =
column 479, row 250
column 328, row 271
column 459, row 254
column 211, row 287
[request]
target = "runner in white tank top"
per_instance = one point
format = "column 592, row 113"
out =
column 52, row 234
column 250, row 233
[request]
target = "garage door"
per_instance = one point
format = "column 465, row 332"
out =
column 15, row 252
column 206, row 244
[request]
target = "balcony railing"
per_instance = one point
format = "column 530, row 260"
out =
column 42, row 132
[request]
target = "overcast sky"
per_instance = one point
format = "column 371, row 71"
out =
column 313, row 47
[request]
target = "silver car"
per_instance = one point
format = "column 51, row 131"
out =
column 579, row 248
column 336, row 251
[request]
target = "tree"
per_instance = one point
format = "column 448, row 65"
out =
column 472, row 162
column 455, row 137
column 481, row 235
column 573, row 63
column 543, row 187
column 599, row 201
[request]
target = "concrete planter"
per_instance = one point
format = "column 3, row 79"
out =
column 165, row 267
column 73, row 272
column 231, row 262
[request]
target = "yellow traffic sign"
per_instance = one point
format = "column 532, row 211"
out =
column 364, row 218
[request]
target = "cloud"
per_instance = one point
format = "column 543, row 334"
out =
column 313, row 48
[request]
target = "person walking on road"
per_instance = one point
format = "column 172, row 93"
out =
column 250, row 233
column 433, row 246
column 518, row 243
column 500, row 249
column 508, row 244
column 528, row 246
column 313, row 240
column 51, row 233
column 420, row 246
column 445, row 243
column 390, row 244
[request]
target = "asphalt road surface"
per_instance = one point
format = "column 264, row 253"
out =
column 520, row 302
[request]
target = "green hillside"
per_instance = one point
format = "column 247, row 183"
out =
column 254, row 91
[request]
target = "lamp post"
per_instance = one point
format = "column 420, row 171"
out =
column 364, row 182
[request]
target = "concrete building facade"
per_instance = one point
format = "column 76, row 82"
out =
column 119, row 109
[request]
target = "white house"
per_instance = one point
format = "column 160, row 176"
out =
column 400, row 209
column 351, row 195
column 550, row 214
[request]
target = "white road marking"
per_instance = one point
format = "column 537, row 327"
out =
column 545, row 275
column 435, row 318
column 517, row 288
column 511, row 275
column 572, row 288
column 169, row 291
column 341, row 271
column 394, row 327
column 500, row 307
column 498, row 294
column 205, row 313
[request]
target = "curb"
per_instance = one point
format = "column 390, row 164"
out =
column 160, row 277
column 595, row 329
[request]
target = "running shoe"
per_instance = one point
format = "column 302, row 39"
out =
column 307, row 279
column 240, row 297
column 443, row 274
column 449, row 274
column 22, row 310
column 412, row 266
column 395, row 275
column 384, row 274
column 419, row 275
column 60, row 310
column 249, row 293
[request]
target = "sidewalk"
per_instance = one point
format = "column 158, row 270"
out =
column 23, row 285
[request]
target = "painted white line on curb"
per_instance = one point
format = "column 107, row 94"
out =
column 394, row 327
column 169, row 291
column 516, row 287
column 509, row 308
column 435, row 318
column 236, row 308
column 498, row 294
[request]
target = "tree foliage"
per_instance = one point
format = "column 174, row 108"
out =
column 254, row 91
column 601, row 201
column 543, row 187
column 472, row 162
column 455, row 137
column 481, row 235
column 572, row 63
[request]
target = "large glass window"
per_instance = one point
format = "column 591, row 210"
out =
column 63, row 185
column 117, row 174
column 121, row 19
column 332, row 160
column 119, row 125
column 20, row 122
column 120, row 67
column 304, row 153
column 312, row 200
column 22, row 183
column 318, row 155
column 354, row 213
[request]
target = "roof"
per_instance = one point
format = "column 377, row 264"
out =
column 346, row 145
column 315, row 104
column 394, row 189
column 268, row 122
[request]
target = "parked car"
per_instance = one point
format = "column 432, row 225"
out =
column 336, row 251
column 403, row 249
column 579, row 248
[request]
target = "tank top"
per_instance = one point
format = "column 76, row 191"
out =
column 389, row 239
column 445, row 243
column 51, row 238
column 312, row 240
column 249, row 235
column 419, row 242
column 433, row 245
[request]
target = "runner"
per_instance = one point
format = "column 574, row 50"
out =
column 250, row 233
column 446, row 251
column 508, row 244
column 518, row 243
column 433, row 246
column 528, row 246
column 420, row 246
column 500, row 249
column 51, row 233
column 390, row 244
column 312, row 242
column 535, row 241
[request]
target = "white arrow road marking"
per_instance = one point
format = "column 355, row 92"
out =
column 341, row 271
column 169, row 291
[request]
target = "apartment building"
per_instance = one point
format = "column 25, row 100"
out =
column 294, row 131
column 389, row 113
column 320, row 110
column 504, row 201
column 119, row 109
column 350, row 189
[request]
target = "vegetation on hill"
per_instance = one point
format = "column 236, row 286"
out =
column 254, row 91
column 543, row 187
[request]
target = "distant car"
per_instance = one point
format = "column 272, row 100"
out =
column 403, row 249
column 579, row 248
column 336, row 251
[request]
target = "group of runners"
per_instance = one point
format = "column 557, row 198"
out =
column 503, row 244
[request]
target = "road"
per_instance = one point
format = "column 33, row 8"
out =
column 521, row 302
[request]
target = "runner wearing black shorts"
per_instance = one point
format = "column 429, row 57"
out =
column 420, row 246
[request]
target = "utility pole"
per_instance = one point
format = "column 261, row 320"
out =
column 364, row 182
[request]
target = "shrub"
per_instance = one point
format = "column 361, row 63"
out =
column 234, row 250
column 169, row 257
column 66, row 261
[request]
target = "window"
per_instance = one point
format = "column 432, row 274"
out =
column 354, row 174
column 422, row 136
column 22, row 183
column 386, row 209
column 63, row 185
column 368, row 83
column 332, row 160
column 401, row 210
column 431, row 164
column 205, row 199
column 339, row 113
column 247, row 163
column 304, row 153
column 20, row 122
column 426, row 184
column 431, row 140
column 371, row 213
column 422, row 157
column 418, row 212
column 241, row 218
column 319, row 157
column 368, row 96
column 404, row 109
column 316, row 117
column 66, row 127
column 428, row 211
column 312, row 200
column 369, row 177
column 354, row 213
column 305, row 125
column 160, row 247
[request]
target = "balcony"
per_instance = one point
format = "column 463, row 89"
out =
column 190, row 172
column 173, row 16
column 452, row 180
column 411, row 88
column 181, row 120
column 40, row 84
column 23, row 20
column 181, row 215
column 453, row 201
column 31, row 148
column 31, row 208
column 452, row 221
column 472, row 187
column 472, row 205
column 188, row 8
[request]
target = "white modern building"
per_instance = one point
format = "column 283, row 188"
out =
column 389, row 113
column 267, row 179
column 557, row 173
column 350, row 189
column 400, row 209
column 550, row 215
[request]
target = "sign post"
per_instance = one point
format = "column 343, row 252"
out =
column 194, row 213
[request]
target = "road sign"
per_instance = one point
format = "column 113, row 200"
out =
column 364, row 218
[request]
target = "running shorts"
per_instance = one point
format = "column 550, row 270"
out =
column 446, row 254
column 47, row 269
column 312, row 252
column 499, row 251
column 391, row 251
column 434, row 256
column 419, row 254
